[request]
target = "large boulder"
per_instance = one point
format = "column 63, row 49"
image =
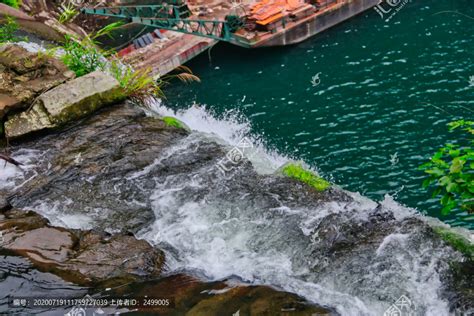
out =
column 67, row 102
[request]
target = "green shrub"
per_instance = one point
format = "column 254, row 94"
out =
column 451, row 170
column 297, row 172
column 12, row 3
column 82, row 57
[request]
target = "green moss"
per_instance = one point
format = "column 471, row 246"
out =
column 456, row 240
column 297, row 172
column 172, row 121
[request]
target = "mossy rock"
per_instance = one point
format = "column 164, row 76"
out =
column 298, row 172
column 456, row 240
column 172, row 121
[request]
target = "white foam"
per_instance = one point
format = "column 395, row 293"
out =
column 12, row 176
column 231, row 129
column 260, row 249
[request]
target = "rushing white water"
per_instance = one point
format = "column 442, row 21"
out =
column 229, row 130
column 220, row 239
column 239, row 241
column 12, row 176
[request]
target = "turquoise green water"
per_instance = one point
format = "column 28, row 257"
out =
column 386, row 92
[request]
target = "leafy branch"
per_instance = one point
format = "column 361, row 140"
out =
column 451, row 170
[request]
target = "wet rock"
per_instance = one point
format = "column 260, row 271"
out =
column 97, row 169
column 256, row 300
column 79, row 256
column 460, row 293
column 122, row 171
column 4, row 204
column 19, row 278
column 193, row 297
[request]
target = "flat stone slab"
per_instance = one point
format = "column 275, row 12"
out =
column 80, row 97
column 65, row 103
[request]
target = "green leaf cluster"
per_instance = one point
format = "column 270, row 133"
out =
column 135, row 83
column 451, row 170
column 82, row 57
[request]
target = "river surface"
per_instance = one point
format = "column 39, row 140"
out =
column 365, row 103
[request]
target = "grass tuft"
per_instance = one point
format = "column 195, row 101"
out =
column 172, row 121
column 297, row 172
